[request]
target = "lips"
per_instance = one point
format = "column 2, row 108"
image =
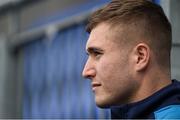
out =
column 95, row 85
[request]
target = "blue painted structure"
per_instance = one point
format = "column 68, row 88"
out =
column 53, row 85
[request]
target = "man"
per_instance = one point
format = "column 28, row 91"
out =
column 129, row 60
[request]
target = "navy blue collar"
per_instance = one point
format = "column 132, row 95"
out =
column 145, row 108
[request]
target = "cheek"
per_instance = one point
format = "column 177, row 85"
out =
column 107, row 67
column 113, row 73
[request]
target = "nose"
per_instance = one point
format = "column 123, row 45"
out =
column 89, row 70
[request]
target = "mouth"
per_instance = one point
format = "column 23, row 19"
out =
column 95, row 85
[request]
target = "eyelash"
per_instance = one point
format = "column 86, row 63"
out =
column 96, row 54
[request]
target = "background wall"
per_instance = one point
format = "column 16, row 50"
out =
column 175, row 18
column 171, row 8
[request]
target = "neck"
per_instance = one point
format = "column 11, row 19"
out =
column 151, row 83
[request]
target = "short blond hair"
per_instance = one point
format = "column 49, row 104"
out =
column 147, row 16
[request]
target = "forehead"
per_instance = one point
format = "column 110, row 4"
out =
column 102, row 35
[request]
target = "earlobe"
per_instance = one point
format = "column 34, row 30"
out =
column 142, row 56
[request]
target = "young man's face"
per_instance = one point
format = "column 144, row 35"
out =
column 109, row 68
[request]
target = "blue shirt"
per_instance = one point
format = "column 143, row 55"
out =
column 164, row 104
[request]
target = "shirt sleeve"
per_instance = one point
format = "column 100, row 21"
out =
column 169, row 112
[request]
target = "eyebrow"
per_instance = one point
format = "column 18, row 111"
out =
column 94, row 49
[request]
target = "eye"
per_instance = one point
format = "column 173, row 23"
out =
column 97, row 54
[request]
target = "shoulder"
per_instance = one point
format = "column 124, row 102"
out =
column 168, row 112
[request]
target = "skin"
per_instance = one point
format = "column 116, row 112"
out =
column 120, row 74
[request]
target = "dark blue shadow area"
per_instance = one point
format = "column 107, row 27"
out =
column 156, row 1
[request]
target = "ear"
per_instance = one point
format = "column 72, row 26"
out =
column 141, row 56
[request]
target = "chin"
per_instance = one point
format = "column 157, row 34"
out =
column 103, row 105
